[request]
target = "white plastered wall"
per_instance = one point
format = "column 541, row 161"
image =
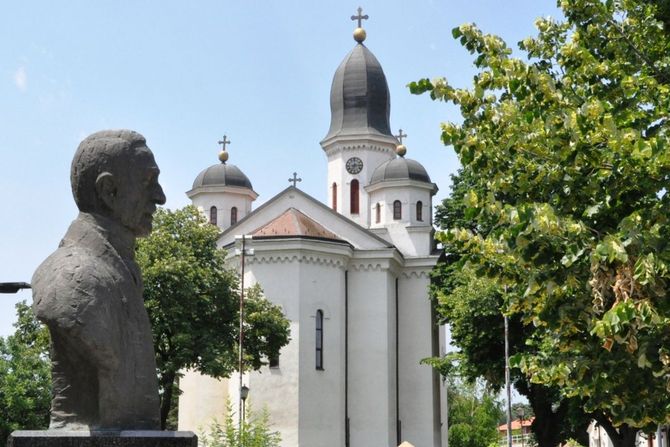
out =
column 419, row 391
column 372, row 403
column 372, row 154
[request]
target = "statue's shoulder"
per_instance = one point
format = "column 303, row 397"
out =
column 68, row 281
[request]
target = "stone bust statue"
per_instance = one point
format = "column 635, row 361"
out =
column 89, row 291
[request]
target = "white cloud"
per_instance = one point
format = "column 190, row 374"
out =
column 21, row 79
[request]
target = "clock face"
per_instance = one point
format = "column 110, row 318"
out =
column 354, row 165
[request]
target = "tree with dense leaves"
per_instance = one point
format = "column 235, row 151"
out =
column 25, row 376
column 192, row 298
column 472, row 306
column 474, row 415
column 570, row 155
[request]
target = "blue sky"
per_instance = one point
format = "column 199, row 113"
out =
column 185, row 73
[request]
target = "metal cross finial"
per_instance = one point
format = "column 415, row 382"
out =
column 360, row 17
column 401, row 135
column 295, row 179
column 223, row 143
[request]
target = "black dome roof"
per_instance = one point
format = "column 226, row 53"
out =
column 400, row 169
column 222, row 174
column 359, row 96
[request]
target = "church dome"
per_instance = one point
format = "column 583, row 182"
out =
column 400, row 169
column 359, row 96
column 222, row 174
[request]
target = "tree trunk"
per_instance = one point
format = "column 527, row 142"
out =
column 167, row 383
column 622, row 436
column 548, row 418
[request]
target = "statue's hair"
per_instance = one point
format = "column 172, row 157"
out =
column 104, row 151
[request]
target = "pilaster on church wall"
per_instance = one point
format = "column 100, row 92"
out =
column 419, row 391
column 371, row 353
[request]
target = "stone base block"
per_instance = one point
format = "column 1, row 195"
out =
column 128, row 438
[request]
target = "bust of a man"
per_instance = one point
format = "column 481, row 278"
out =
column 89, row 291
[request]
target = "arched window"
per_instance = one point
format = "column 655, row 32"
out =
column 354, row 197
column 233, row 215
column 212, row 215
column 397, row 210
column 419, row 211
column 334, row 197
column 378, row 213
column 319, row 339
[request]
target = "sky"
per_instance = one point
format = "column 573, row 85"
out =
column 185, row 73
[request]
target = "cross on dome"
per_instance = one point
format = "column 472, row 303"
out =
column 400, row 135
column 359, row 33
column 223, row 155
column 360, row 17
column 224, row 142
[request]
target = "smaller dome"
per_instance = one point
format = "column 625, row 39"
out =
column 400, row 169
column 222, row 174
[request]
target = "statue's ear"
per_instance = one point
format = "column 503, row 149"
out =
column 106, row 189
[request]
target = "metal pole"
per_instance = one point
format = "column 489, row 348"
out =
column 507, row 386
column 241, row 342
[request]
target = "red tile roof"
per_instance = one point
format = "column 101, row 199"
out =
column 294, row 223
column 516, row 424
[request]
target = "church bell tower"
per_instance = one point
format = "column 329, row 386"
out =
column 359, row 138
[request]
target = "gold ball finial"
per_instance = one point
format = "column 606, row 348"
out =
column 359, row 35
column 223, row 156
column 401, row 150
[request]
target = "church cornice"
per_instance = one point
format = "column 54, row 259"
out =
column 297, row 250
column 278, row 258
column 339, row 148
column 415, row 274
column 404, row 183
column 246, row 192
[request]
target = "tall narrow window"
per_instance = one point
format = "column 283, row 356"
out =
column 319, row 339
column 397, row 210
column 334, row 197
column 212, row 215
column 378, row 213
column 354, row 197
column 419, row 211
column 233, row 215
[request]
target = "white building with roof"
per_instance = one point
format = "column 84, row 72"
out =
column 352, row 277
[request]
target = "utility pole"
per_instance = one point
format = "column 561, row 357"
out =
column 242, row 394
column 507, row 385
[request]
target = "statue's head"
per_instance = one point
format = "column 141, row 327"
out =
column 114, row 174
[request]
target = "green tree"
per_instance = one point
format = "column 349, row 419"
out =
column 570, row 157
column 193, row 303
column 25, row 376
column 472, row 306
column 256, row 431
column 474, row 414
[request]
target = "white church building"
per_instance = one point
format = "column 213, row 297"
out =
column 352, row 277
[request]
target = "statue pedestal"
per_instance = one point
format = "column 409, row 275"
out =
column 126, row 438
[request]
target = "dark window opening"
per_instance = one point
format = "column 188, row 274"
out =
column 212, row 215
column 354, row 197
column 378, row 213
column 319, row 339
column 233, row 215
column 274, row 361
column 419, row 211
column 397, row 210
column 334, row 197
